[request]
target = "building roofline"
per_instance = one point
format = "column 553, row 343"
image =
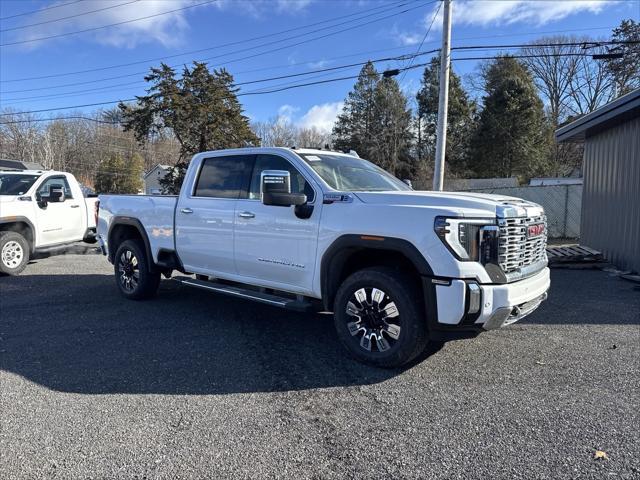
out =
column 607, row 116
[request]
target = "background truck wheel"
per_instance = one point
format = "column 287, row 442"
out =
column 132, row 271
column 14, row 253
column 379, row 317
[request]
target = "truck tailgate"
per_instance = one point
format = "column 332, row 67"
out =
column 153, row 213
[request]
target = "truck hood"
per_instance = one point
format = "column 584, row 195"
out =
column 464, row 203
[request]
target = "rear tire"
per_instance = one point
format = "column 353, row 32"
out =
column 379, row 317
column 131, row 267
column 14, row 253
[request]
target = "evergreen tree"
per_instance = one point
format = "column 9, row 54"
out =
column 133, row 171
column 376, row 123
column 391, row 129
column 200, row 108
column 117, row 175
column 110, row 174
column 626, row 70
column 460, row 118
column 513, row 136
column 353, row 128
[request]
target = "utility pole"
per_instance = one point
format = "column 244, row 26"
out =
column 443, row 102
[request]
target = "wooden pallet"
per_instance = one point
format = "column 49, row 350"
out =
column 573, row 254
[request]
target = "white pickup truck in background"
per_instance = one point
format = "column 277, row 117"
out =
column 320, row 230
column 41, row 212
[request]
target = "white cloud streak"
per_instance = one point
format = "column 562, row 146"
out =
column 322, row 116
column 496, row 13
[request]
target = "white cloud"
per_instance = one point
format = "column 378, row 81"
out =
column 286, row 112
column 501, row 12
column 166, row 29
column 495, row 13
column 322, row 116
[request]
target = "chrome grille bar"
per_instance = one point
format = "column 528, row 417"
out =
column 516, row 251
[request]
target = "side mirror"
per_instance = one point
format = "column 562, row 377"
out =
column 275, row 189
column 408, row 182
column 56, row 194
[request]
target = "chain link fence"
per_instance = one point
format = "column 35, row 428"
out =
column 562, row 205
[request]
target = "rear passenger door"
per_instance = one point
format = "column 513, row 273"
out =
column 205, row 215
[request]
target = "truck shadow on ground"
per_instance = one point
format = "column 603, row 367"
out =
column 74, row 333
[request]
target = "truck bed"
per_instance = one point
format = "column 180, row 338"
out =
column 155, row 213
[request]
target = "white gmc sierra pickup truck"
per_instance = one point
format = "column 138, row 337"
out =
column 313, row 229
column 41, row 212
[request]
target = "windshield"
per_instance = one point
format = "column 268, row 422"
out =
column 15, row 184
column 353, row 174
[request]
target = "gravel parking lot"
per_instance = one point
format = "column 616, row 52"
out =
column 197, row 385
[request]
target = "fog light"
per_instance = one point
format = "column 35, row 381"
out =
column 474, row 298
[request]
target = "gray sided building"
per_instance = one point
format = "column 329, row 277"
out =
column 610, row 219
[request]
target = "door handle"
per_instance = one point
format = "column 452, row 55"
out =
column 246, row 215
column 186, row 210
column 75, row 206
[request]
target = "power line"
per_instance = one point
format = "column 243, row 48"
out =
column 262, row 80
column 213, row 47
column 261, row 53
column 66, row 34
column 426, row 34
column 396, row 58
column 68, row 17
column 41, row 10
column 262, row 91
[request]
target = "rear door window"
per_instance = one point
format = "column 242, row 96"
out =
column 225, row 177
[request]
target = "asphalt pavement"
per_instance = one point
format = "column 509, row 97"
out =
column 193, row 384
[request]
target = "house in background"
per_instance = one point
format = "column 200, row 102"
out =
column 152, row 179
column 6, row 164
column 610, row 220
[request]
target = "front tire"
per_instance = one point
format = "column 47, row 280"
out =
column 14, row 253
column 131, row 267
column 379, row 318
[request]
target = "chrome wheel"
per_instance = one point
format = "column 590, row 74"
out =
column 129, row 270
column 12, row 254
column 374, row 318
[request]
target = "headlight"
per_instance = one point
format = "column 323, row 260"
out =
column 462, row 235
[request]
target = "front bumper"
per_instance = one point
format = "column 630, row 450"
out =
column 456, row 305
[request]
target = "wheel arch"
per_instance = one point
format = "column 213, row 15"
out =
column 127, row 228
column 23, row 226
column 352, row 252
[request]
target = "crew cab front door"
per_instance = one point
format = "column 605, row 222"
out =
column 273, row 246
column 59, row 222
column 204, row 219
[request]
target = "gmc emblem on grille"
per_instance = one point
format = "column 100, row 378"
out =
column 535, row 230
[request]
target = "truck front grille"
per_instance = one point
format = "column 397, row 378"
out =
column 515, row 249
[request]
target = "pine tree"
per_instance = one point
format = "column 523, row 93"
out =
column 133, row 171
column 460, row 121
column 353, row 128
column 513, row 135
column 110, row 174
column 626, row 70
column 200, row 108
column 391, row 129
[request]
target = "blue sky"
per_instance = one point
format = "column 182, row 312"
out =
column 371, row 29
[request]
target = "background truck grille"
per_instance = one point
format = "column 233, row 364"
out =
column 515, row 249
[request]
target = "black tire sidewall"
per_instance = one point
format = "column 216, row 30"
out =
column 6, row 237
column 148, row 281
column 401, row 290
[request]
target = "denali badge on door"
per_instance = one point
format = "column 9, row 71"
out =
column 535, row 230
